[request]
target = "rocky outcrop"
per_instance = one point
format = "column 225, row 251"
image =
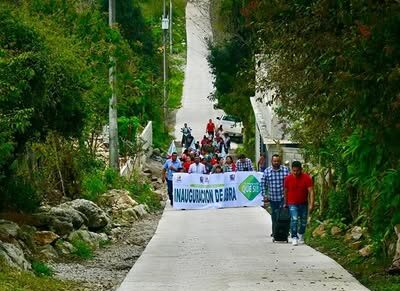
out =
column 8, row 230
column 14, row 256
column 64, row 247
column 120, row 205
column 62, row 219
column 91, row 238
column 96, row 217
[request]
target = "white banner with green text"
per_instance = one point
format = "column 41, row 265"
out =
column 233, row 189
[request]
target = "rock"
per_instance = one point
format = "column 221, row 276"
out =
column 347, row 237
column 129, row 215
column 8, row 230
column 395, row 267
column 356, row 232
column 366, row 251
column 117, row 200
column 43, row 238
column 97, row 218
column 319, row 231
column 140, row 210
column 62, row 219
column 154, row 178
column 336, row 231
column 119, row 204
column 356, row 245
column 14, row 256
column 48, row 252
column 147, row 171
column 91, row 238
column 156, row 152
column 64, row 248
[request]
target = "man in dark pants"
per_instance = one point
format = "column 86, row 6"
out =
column 170, row 167
column 272, row 185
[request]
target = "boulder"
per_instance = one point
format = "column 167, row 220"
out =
column 14, row 256
column 319, row 231
column 356, row 233
column 91, row 238
column 366, row 251
column 336, row 231
column 43, row 238
column 64, row 247
column 116, row 200
column 48, row 252
column 128, row 215
column 119, row 204
column 8, row 230
column 141, row 210
column 97, row 218
column 62, row 219
column 356, row 245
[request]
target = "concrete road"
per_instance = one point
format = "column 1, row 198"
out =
column 196, row 108
column 224, row 249
column 230, row 249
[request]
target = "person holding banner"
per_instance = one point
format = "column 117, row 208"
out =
column 299, row 197
column 272, row 186
column 197, row 167
column 244, row 164
column 170, row 167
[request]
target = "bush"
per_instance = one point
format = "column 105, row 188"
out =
column 41, row 269
column 83, row 250
column 141, row 191
column 21, row 195
column 338, row 205
column 93, row 186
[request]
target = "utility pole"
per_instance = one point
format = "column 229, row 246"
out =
column 170, row 27
column 164, row 26
column 112, row 113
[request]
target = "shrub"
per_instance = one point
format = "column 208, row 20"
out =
column 338, row 205
column 41, row 269
column 83, row 250
column 21, row 195
column 93, row 185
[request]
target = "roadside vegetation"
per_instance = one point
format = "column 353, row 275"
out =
column 41, row 280
column 335, row 68
column 54, row 98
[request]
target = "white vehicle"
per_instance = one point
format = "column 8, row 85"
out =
column 231, row 125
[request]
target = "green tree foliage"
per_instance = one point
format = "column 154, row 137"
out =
column 335, row 65
column 54, row 91
column 232, row 63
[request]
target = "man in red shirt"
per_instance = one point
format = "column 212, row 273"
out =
column 299, row 197
column 210, row 128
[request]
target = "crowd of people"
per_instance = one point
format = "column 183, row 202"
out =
column 280, row 187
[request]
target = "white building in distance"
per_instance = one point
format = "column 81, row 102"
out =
column 269, row 130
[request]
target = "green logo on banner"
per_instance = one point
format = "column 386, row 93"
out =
column 250, row 187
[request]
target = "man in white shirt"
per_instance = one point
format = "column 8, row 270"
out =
column 197, row 167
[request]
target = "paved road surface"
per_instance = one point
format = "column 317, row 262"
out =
column 230, row 249
column 196, row 108
column 224, row 249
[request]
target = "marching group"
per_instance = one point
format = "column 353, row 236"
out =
column 280, row 187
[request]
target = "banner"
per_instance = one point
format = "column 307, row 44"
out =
column 233, row 189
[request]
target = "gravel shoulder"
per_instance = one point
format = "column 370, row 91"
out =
column 112, row 262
